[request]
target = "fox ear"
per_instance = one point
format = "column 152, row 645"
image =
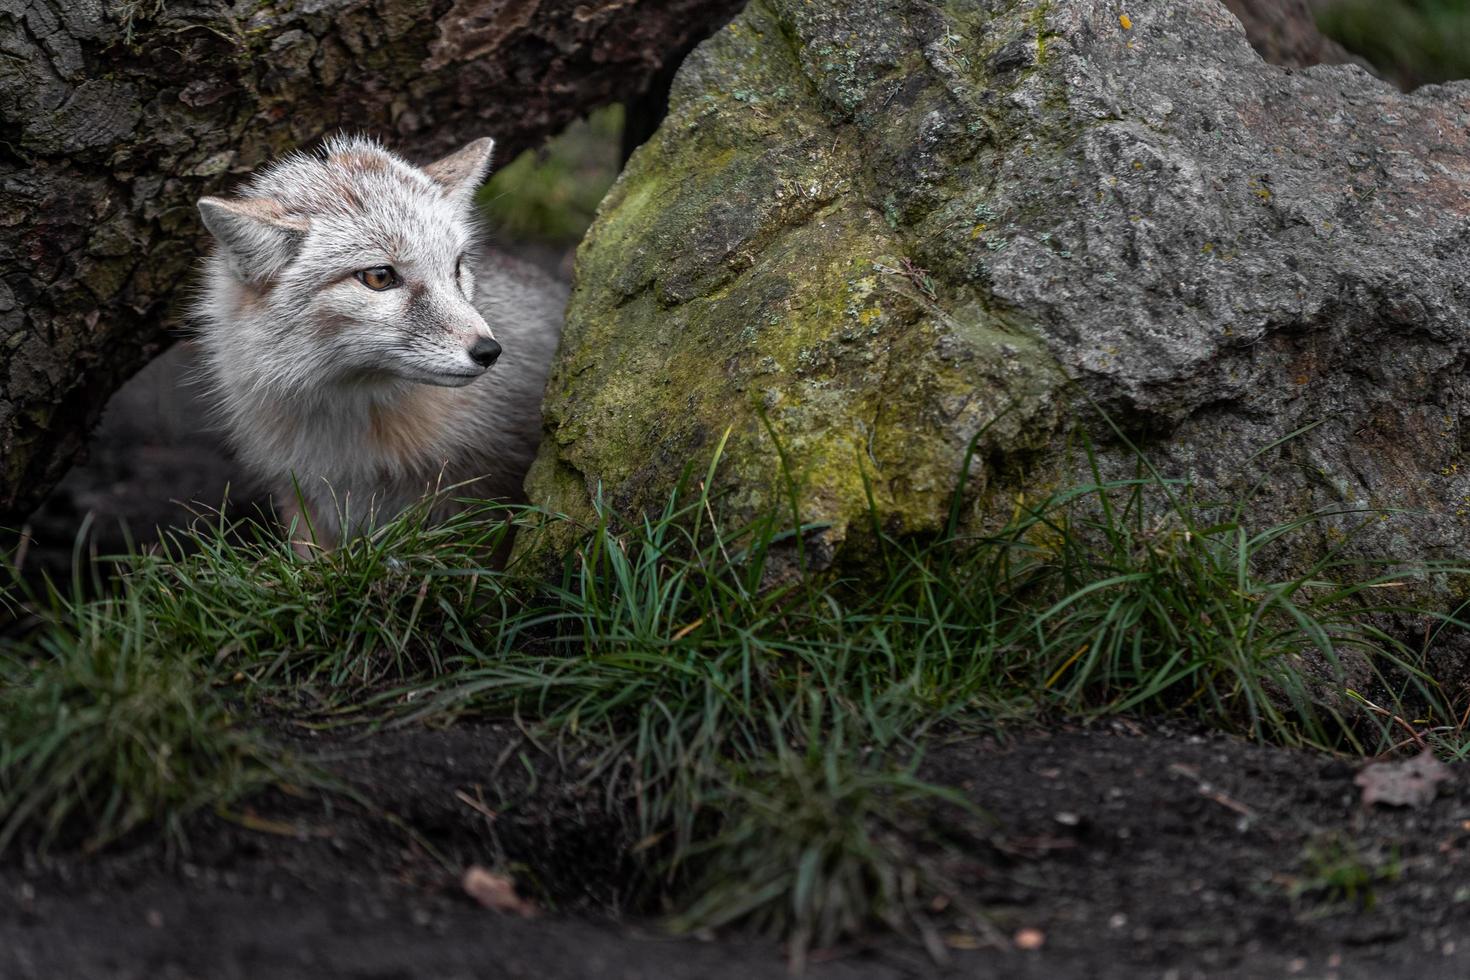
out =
column 257, row 236
column 463, row 171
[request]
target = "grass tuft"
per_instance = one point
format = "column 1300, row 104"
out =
column 820, row 845
column 374, row 611
column 1336, row 875
column 102, row 732
column 1160, row 604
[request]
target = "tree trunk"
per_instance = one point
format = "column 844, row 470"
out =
column 116, row 115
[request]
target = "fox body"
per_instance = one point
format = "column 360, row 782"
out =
column 347, row 324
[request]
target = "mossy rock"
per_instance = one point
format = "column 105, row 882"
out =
column 875, row 235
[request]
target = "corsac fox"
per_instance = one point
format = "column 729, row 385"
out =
column 345, row 322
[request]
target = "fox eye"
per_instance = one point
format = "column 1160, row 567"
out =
column 379, row 277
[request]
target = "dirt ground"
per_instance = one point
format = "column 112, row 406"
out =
column 1156, row 854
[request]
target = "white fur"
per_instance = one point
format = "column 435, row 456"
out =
column 306, row 362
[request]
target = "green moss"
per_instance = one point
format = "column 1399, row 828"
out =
column 752, row 272
column 104, row 277
column 168, row 263
column 1038, row 22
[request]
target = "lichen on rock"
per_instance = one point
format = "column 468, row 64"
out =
column 874, row 232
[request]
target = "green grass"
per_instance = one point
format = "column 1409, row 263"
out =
column 103, row 732
column 1336, row 875
column 1411, row 41
column 821, row 844
column 349, row 620
column 550, row 195
column 721, row 703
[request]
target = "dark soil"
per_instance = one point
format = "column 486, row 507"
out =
column 1135, row 855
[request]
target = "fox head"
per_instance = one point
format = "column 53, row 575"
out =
column 349, row 266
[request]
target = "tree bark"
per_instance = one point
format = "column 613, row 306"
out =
column 116, row 115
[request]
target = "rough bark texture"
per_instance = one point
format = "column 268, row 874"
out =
column 116, row 116
column 882, row 229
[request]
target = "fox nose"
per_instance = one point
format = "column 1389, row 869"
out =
column 484, row 351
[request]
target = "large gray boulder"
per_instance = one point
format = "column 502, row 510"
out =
column 881, row 229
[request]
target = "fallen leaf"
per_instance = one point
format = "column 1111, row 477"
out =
column 1030, row 939
column 1411, row 782
column 495, row 892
